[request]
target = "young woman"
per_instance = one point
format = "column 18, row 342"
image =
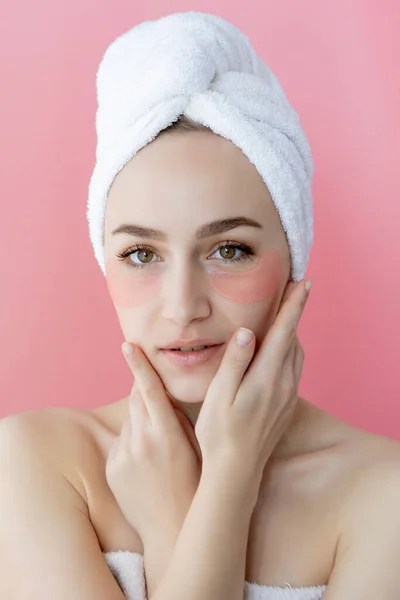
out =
column 213, row 471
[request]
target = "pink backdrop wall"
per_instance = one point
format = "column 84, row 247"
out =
column 338, row 62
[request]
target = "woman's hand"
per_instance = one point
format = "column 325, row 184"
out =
column 245, row 414
column 154, row 466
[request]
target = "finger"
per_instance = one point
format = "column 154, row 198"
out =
column 293, row 362
column 282, row 332
column 232, row 368
column 290, row 358
column 286, row 379
column 295, row 299
column 288, row 290
column 139, row 416
column 290, row 375
column 298, row 361
column 151, row 389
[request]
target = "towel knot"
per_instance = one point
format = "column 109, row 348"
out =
column 199, row 65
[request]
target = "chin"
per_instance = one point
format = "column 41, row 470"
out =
column 187, row 391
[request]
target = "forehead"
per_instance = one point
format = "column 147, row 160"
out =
column 183, row 179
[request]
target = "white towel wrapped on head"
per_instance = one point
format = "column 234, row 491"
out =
column 201, row 66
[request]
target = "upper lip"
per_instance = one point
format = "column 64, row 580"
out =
column 191, row 343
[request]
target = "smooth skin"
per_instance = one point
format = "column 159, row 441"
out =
column 245, row 412
column 323, row 482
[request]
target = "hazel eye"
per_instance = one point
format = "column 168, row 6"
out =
column 145, row 253
column 227, row 251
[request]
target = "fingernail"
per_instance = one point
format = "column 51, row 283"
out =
column 244, row 337
column 308, row 285
column 127, row 349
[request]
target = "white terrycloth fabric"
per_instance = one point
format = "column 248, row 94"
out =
column 128, row 570
column 200, row 65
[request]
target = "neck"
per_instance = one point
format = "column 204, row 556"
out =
column 290, row 444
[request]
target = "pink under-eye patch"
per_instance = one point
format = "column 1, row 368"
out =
column 249, row 285
column 129, row 289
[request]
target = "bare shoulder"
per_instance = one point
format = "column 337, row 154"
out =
column 349, row 452
column 367, row 499
column 358, row 469
column 338, row 467
column 372, row 469
column 76, row 442
column 44, row 497
column 63, row 437
column 368, row 457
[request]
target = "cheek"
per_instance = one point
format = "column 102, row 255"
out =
column 251, row 285
column 128, row 290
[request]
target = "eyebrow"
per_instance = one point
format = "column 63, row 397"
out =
column 204, row 231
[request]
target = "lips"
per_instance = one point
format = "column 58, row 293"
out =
column 198, row 348
column 192, row 359
column 191, row 343
column 188, row 349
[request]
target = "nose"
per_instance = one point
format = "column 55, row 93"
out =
column 185, row 294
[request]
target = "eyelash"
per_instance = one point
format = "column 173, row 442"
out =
column 247, row 249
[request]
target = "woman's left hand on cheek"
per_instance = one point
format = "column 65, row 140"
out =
column 154, row 466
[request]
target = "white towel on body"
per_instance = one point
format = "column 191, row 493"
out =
column 128, row 570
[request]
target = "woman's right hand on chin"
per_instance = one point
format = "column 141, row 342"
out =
column 245, row 414
column 153, row 467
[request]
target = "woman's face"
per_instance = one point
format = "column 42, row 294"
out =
column 182, row 285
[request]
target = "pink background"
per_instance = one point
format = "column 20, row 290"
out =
column 338, row 62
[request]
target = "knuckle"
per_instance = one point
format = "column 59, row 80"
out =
column 238, row 362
